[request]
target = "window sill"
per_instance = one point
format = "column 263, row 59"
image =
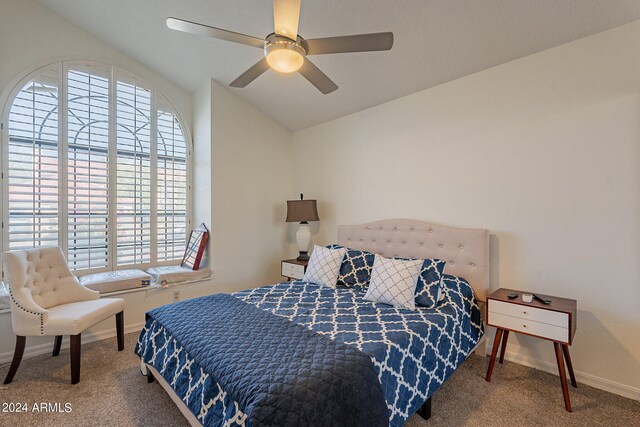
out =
column 154, row 288
column 150, row 288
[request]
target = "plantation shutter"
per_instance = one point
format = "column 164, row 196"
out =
column 133, row 163
column 88, row 167
column 95, row 161
column 172, row 185
column 33, row 163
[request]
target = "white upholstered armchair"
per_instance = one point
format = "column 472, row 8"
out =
column 47, row 300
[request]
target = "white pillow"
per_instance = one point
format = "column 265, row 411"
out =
column 324, row 266
column 393, row 281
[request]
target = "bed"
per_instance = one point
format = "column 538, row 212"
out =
column 279, row 354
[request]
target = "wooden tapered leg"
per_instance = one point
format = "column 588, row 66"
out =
column 505, row 337
column 75, row 358
column 17, row 358
column 120, row 330
column 567, row 359
column 494, row 352
column 57, row 343
column 563, row 376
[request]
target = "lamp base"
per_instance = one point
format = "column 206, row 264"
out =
column 303, row 238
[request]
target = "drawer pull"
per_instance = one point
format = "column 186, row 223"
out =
column 524, row 312
column 524, row 326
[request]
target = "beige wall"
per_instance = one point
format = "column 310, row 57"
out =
column 543, row 151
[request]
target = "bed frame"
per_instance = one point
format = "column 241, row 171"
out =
column 466, row 251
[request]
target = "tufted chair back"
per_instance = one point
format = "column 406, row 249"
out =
column 41, row 277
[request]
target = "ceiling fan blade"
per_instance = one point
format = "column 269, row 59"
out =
column 286, row 14
column 251, row 74
column 355, row 43
column 316, row 77
column 218, row 33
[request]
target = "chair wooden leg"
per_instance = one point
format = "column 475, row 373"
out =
column 75, row 358
column 57, row 343
column 17, row 357
column 120, row 330
column 563, row 376
column 494, row 352
column 567, row 359
column 505, row 337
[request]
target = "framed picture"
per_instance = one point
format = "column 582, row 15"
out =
column 195, row 247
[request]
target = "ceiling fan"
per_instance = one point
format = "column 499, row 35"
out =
column 285, row 50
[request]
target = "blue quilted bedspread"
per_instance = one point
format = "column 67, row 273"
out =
column 412, row 352
column 277, row 372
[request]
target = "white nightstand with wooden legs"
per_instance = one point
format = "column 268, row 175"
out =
column 554, row 322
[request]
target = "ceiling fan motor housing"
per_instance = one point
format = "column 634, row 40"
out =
column 284, row 54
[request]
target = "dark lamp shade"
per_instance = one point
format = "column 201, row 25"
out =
column 301, row 210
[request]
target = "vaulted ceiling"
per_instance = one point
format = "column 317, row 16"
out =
column 435, row 41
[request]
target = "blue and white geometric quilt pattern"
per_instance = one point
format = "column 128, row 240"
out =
column 413, row 351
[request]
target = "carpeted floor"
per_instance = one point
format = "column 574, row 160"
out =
column 113, row 393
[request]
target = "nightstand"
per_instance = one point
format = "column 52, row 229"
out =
column 293, row 269
column 554, row 322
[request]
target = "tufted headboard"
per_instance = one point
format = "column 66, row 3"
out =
column 466, row 250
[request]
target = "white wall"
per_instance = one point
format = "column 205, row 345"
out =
column 543, row 151
column 201, row 161
column 251, row 179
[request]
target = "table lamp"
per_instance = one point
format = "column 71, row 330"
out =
column 302, row 211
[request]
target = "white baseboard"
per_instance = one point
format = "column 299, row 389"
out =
column 581, row 377
column 37, row 350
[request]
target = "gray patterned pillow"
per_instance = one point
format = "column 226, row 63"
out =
column 393, row 281
column 324, row 266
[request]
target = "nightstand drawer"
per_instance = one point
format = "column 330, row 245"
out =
column 529, row 313
column 530, row 327
column 295, row 271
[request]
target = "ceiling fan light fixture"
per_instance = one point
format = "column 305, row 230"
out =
column 284, row 50
column 284, row 55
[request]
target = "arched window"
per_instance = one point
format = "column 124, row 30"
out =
column 96, row 162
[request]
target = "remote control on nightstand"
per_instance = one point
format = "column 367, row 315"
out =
column 542, row 299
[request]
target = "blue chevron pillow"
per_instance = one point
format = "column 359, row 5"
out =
column 429, row 283
column 356, row 267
